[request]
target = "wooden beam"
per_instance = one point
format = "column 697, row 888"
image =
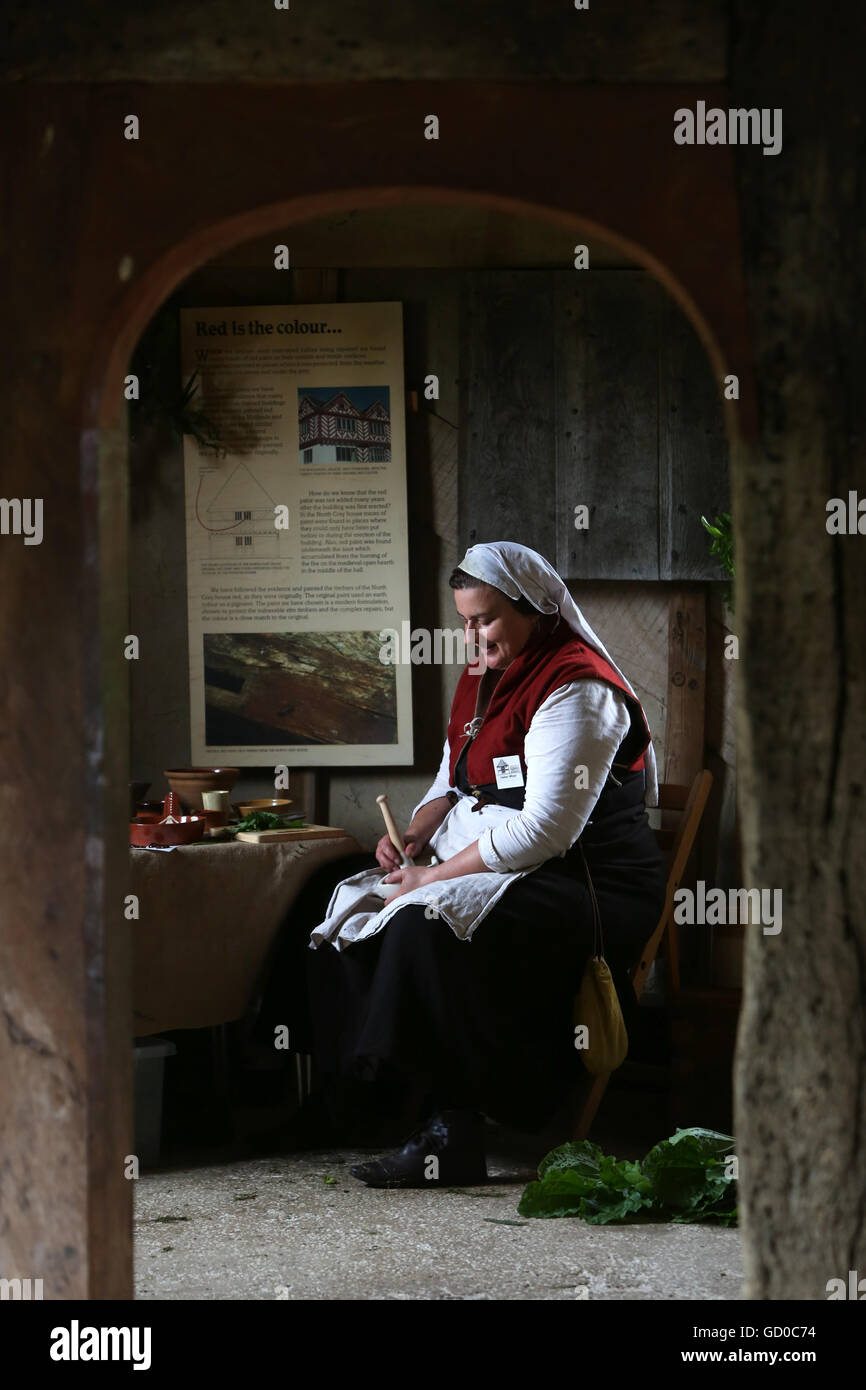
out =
column 687, row 666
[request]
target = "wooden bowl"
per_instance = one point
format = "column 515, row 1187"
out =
column 146, row 829
column 278, row 805
column 190, row 782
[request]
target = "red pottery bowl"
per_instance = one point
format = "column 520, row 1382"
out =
column 146, row 829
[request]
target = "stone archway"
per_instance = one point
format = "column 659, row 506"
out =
column 69, row 1068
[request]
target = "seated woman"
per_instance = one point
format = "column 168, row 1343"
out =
column 466, row 978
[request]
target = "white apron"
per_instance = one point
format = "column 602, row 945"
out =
column 356, row 913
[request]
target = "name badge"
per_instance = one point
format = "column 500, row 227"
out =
column 508, row 771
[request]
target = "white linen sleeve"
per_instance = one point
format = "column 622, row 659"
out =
column 442, row 784
column 581, row 724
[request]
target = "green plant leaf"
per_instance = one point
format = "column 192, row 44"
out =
column 681, row 1179
column 559, row 1193
column 580, row 1157
column 602, row 1207
column 687, row 1172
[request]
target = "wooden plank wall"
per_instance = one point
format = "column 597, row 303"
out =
column 589, row 388
column 605, row 426
column 507, row 478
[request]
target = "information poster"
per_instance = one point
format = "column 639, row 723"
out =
column 297, row 546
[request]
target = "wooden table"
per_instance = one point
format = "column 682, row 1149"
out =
column 208, row 914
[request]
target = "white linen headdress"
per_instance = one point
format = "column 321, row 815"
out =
column 517, row 570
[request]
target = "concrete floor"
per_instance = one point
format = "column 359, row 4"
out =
column 272, row 1228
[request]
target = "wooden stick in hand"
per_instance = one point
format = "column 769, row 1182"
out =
column 394, row 834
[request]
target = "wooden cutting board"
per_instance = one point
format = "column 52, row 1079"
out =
column 307, row 832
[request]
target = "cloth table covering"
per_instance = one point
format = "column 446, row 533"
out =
column 208, row 915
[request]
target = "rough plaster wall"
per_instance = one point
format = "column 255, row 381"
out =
column 632, row 622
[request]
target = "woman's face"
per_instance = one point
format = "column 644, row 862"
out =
column 501, row 632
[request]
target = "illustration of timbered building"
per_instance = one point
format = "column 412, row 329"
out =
column 336, row 431
column 240, row 519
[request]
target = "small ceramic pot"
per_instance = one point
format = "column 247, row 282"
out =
column 385, row 890
column 190, row 782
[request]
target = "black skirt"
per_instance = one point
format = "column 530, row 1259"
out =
column 486, row 1023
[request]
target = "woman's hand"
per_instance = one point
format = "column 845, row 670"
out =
column 387, row 856
column 417, row 835
column 413, row 876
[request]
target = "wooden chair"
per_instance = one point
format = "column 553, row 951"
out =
column 681, row 810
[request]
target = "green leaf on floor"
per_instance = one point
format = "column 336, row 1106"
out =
column 467, row 1192
column 329, row 1180
column 500, row 1221
column 682, row 1179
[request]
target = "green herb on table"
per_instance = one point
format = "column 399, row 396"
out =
column 267, row 820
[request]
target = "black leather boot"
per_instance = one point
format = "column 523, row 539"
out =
column 449, row 1150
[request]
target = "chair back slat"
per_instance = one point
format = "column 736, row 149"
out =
column 678, row 850
column 675, row 837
